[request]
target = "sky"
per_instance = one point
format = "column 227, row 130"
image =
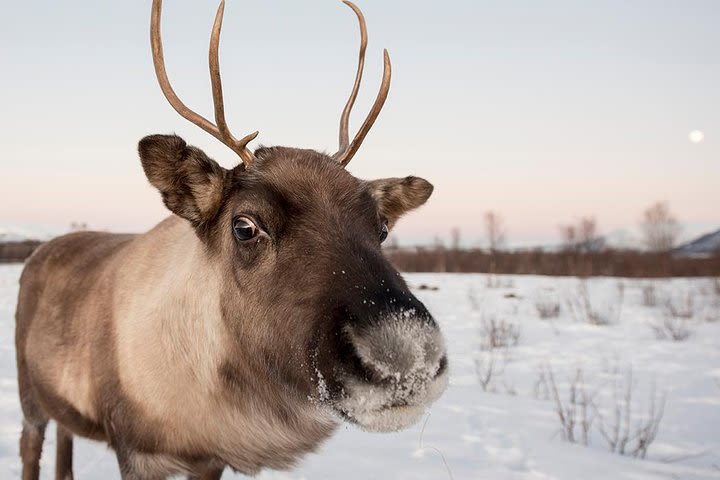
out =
column 542, row 111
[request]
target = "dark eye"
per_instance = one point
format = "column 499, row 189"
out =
column 383, row 232
column 244, row 229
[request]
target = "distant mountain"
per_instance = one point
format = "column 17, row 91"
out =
column 704, row 245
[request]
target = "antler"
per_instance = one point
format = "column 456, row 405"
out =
column 347, row 150
column 221, row 130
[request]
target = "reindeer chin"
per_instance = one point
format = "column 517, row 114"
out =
column 390, row 419
column 379, row 409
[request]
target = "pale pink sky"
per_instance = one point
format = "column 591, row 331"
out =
column 541, row 111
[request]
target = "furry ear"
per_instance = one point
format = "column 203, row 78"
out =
column 397, row 196
column 191, row 184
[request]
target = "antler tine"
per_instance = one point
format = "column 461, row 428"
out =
column 374, row 112
column 345, row 118
column 159, row 63
column 238, row 146
column 347, row 150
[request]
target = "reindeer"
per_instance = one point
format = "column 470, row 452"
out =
column 239, row 331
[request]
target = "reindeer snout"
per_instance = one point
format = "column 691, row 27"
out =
column 397, row 350
column 396, row 367
column 402, row 354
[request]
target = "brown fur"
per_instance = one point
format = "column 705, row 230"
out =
column 63, row 458
column 396, row 196
column 187, row 351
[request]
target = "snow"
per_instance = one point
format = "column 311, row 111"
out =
column 510, row 431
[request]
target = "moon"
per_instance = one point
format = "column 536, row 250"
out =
column 696, row 136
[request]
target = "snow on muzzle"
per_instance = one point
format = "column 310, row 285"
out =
column 404, row 369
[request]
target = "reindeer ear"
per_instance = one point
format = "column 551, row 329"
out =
column 397, row 196
column 191, row 184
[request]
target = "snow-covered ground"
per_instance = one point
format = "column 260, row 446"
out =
column 511, row 430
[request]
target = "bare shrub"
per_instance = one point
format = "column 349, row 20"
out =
column 677, row 317
column 584, row 310
column 490, row 369
column 649, row 296
column 712, row 311
column 625, row 430
column 488, row 366
column 681, row 305
column 674, row 323
column 547, row 304
column 495, row 336
column 510, row 389
column 492, row 281
column 709, row 308
column 498, row 333
column 623, row 425
column 575, row 412
column 474, row 302
column 495, row 281
column 541, row 390
column 547, row 308
column 671, row 328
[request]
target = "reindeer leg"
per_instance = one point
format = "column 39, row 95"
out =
column 34, row 423
column 31, row 442
column 64, row 454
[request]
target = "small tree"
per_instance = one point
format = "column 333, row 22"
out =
column 659, row 227
column 568, row 233
column 581, row 237
column 494, row 230
column 495, row 238
column 455, row 239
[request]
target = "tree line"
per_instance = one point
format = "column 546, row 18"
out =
column 582, row 251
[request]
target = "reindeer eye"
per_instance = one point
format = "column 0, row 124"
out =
column 244, row 229
column 383, row 232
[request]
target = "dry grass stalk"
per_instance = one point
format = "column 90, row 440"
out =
column 585, row 311
column 623, row 434
column 498, row 333
column 575, row 414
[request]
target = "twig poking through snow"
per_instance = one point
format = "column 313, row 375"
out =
column 575, row 412
column 585, row 310
column 422, row 446
column 620, row 437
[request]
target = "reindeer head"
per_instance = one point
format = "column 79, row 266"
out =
column 312, row 305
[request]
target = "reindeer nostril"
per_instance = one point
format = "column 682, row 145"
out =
column 356, row 365
column 442, row 368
